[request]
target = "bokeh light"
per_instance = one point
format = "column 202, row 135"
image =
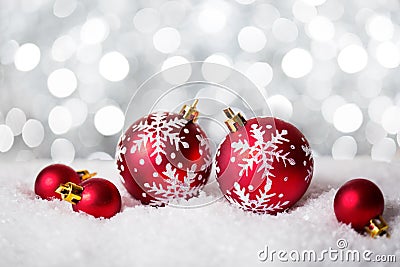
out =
column 62, row 83
column 60, row 120
column 384, row 150
column 352, row 58
column 95, row 30
column 391, row 119
column 63, row 48
column 114, row 66
column 297, row 63
column 251, row 39
column 344, row 148
column 285, row 30
column 167, row 40
column 380, row 28
column 33, row 133
column 62, row 151
column 348, row 118
column 260, row 73
column 321, row 29
column 64, row 8
column 27, row 57
column 388, row 55
column 211, row 19
column 109, row 120
column 6, row 138
column 280, row 106
column 16, row 119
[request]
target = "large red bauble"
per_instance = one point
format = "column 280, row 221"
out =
column 163, row 157
column 357, row 202
column 265, row 166
column 100, row 198
column 50, row 178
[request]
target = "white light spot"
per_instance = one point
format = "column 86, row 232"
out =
column 62, row 83
column 78, row 110
column 16, row 119
column 174, row 74
column 297, row 63
column 233, row 159
column 6, row 138
column 321, row 29
column 380, row 28
column 144, row 194
column 377, row 107
column 141, row 161
column 173, row 155
column 216, row 68
column 147, row 20
column 27, row 57
column 180, row 165
column 292, row 147
column 384, row 150
column 33, row 133
column 391, row 120
column 286, row 179
column 251, row 39
column 63, row 151
column 269, row 126
column 63, row 48
column 374, row 132
column 186, row 131
column 64, row 8
column 280, row 195
column 260, row 73
column 250, row 187
column 352, row 58
column 303, row 11
column 94, row 31
column 285, row 30
column 155, row 174
column 348, row 118
column 60, row 120
column 114, row 66
column 388, row 55
column 280, row 106
column 211, row 20
column 109, row 120
column 344, row 148
column 167, row 40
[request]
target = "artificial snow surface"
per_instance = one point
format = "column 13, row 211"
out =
column 35, row 232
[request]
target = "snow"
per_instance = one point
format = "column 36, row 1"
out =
column 35, row 232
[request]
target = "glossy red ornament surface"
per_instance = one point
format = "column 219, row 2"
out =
column 100, row 198
column 358, row 201
column 163, row 157
column 264, row 167
column 50, row 178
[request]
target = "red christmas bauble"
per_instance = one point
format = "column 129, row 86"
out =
column 265, row 166
column 163, row 157
column 50, row 178
column 357, row 202
column 99, row 198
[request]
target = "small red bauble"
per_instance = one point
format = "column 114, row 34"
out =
column 97, row 197
column 164, row 156
column 360, row 202
column 50, row 178
column 264, row 165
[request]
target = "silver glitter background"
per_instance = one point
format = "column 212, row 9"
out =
column 69, row 68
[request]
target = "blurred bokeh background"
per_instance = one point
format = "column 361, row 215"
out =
column 68, row 68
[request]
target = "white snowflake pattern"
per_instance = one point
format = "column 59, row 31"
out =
column 159, row 132
column 262, row 153
column 204, row 147
column 175, row 189
column 309, row 173
column 307, row 150
column 260, row 204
